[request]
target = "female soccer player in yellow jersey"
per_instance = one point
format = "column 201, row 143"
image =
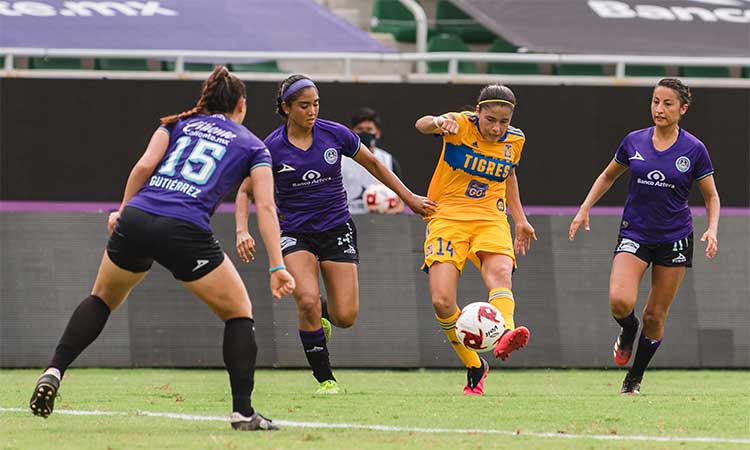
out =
column 474, row 183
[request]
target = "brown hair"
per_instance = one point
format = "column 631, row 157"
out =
column 283, row 86
column 220, row 94
column 682, row 90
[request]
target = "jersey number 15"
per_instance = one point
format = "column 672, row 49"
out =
column 204, row 155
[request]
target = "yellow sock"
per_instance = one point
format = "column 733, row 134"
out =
column 468, row 357
column 502, row 299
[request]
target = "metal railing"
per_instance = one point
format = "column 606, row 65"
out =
column 348, row 59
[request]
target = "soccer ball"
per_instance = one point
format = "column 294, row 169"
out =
column 379, row 199
column 479, row 326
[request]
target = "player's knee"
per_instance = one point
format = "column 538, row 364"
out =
column 621, row 305
column 309, row 304
column 344, row 319
column 444, row 305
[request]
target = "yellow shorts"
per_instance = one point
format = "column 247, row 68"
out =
column 455, row 240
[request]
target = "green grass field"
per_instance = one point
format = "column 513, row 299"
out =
column 679, row 407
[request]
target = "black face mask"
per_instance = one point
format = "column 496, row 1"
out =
column 367, row 138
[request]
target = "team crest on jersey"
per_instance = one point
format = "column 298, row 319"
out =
column 682, row 164
column 509, row 151
column 501, row 205
column 331, row 156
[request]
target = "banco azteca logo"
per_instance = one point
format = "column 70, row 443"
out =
column 656, row 175
column 311, row 175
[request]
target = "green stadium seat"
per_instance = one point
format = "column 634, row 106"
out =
column 55, row 63
column 704, row 71
column 448, row 43
column 390, row 16
column 450, row 19
column 265, row 66
column 168, row 66
column 746, row 72
column 507, row 68
column 635, row 70
column 591, row 70
column 120, row 64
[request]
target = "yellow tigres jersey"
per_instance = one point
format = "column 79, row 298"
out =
column 469, row 180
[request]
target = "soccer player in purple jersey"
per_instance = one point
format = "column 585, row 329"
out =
column 318, row 233
column 656, row 226
column 192, row 160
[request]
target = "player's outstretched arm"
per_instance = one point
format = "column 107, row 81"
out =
column 245, row 243
column 417, row 203
column 143, row 169
column 713, row 207
column 602, row 184
column 282, row 282
column 436, row 125
column 525, row 233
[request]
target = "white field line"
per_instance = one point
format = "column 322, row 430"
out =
column 351, row 426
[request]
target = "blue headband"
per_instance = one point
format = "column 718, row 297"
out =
column 296, row 86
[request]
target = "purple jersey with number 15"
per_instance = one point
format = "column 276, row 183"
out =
column 656, row 210
column 206, row 157
column 310, row 192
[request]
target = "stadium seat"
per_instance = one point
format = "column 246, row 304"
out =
column 450, row 19
column 390, row 16
column 189, row 67
column 635, row 70
column 704, row 71
column 120, row 64
column 746, row 72
column 502, row 46
column 55, row 63
column 591, row 70
column 448, row 43
column 265, row 66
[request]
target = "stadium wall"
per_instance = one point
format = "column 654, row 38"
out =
column 49, row 261
column 76, row 140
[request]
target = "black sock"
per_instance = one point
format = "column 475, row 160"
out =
column 316, row 351
column 646, row 349
column 240, row 352
column 629, row 325
column 84, row 326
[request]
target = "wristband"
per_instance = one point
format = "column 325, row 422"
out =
column 437, row 122
column 276, row 268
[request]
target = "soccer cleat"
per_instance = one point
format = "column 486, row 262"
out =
column 256, row 422
column 43, row 399
column 631, row 386
column 623, row 349
column 328, row 387
column 475, row 378
column 326, row 328
column 510, row 341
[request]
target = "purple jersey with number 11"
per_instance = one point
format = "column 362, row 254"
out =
column 206, row 157
column 656, row 211
column 310, row 192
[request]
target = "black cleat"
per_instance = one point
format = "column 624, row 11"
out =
column 631, row 386
column 256, row 422
column 43, row 399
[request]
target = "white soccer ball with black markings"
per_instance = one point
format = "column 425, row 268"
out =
column 379, row 199
column 479, row 326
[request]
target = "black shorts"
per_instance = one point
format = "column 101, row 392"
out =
column 338, row 244
column 675, row 254
column 185, row 249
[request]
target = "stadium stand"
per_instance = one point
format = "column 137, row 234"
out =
column 121, row 64
column 265, row 66
column 704, row 71
column 502, row 46
column 390, row 16
column 55, row 63
column 635, row 70
column 448, row 43
column 450, row 19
